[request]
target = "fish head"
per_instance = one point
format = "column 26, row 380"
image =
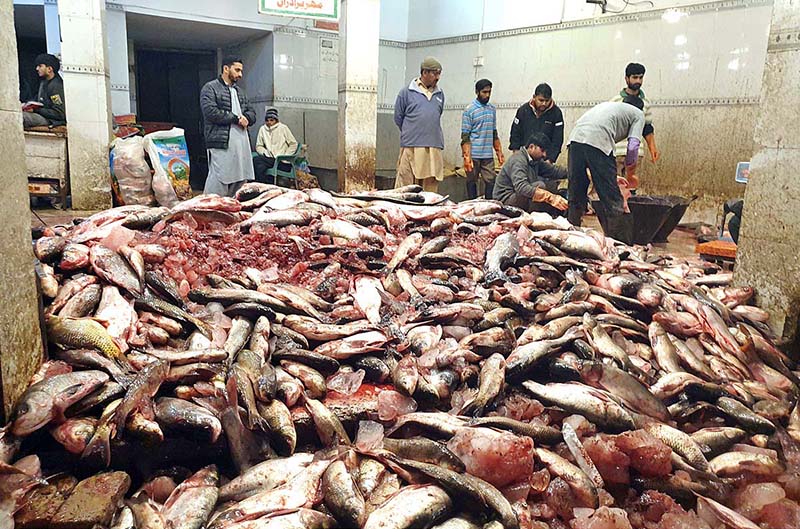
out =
column 33, row 412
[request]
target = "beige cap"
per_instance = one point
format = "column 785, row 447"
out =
column 429, row 63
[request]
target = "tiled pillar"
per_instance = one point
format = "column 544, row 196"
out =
column 86, row 93
column 358, row 93
column 770, row 235
column 20, row 335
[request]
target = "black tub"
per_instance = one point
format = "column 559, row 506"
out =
column 653, row 216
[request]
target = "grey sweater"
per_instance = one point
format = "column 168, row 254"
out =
column 419, row 119
column 521, row 175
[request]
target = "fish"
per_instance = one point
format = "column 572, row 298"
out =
column 264, row 476
column 99, row 446
column 84, row 333
column 329, row 428
column 47, row 279
column 625, row 387
column 164, row 287
column 143, row 387
column 187, row 416
column 172, row 311
column 492, row 378
column 312, row 379
column 112, row 267
column 426, row 451
column 412, row 506
column 75, row 434
column 680, row 442
column 83, row 303
column 749, row 420
column 145, row 219
column 280, row 424
column 665, row 351
column 582, row 486
column 350, row 231
column 191, row 503
column 606, row 346
column 499, row 257
column 341, row 495
column 596, row 405
column 481, row 494
column 298, row 492
column 48, row 249
column 47, row 400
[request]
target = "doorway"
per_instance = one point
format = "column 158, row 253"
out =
column 168, row 90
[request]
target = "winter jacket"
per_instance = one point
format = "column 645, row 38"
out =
column 275, row 141
column 51, row 95
column 521, row 175
column 215, row 104
column 550, row 123
column 419, row 118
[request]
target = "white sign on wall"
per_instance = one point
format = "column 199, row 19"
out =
column 328, row 58
column 324, row 9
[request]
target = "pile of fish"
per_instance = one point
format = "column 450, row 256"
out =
column 391, row 359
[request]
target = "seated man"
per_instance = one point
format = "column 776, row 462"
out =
column 274, row 139
column 52, row 112
column 521, row 181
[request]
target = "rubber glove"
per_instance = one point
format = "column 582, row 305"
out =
column 543, row 195
column 650, row 139
column 466, row 153
column 498, row 148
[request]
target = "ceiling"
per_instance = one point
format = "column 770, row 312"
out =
column 29, row 21
column 160, row 32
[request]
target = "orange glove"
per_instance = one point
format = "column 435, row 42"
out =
column 650, row 139
column 498, row 148
column 466, row 153
column 543, row 195
column 624, row 189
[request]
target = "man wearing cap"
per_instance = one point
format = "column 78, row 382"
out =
column 274, row 139
column 52, row 112
column 523, row 179
column 634, row 77
column 418, row 112
column 479, row 140
column 226, row 116
column 591, row 146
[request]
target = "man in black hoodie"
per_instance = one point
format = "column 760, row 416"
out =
column 540, row 114
column 52, row 112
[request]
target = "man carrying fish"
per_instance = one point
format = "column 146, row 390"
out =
column 418, row 114
column 591, row 146
column 522, row 180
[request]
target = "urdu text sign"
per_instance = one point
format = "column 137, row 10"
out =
column 323, row 9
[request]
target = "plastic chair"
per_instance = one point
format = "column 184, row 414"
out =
column 275, row 171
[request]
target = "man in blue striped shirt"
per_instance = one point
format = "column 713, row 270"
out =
column 478, row 139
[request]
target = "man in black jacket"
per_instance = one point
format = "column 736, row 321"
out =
column 226, row 116
column 540, row 114
column 52, row 112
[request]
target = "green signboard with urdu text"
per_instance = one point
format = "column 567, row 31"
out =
column 322, row 9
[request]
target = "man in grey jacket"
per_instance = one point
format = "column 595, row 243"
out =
column 418, row 114
column 226, row 116
column 523, row 179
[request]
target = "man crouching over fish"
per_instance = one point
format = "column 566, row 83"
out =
column 523, row 179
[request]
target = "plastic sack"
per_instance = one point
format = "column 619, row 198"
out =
column 131, row 172
column 170, row 159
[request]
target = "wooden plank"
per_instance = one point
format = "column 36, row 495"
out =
column 725, row 249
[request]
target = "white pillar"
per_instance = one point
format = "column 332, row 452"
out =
column 51, row 27
column 358, row 93
column 770, row 235
column 20, row 335
column 118, row 60
column 88, row 102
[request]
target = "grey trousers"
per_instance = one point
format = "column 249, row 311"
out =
column 32, row 119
